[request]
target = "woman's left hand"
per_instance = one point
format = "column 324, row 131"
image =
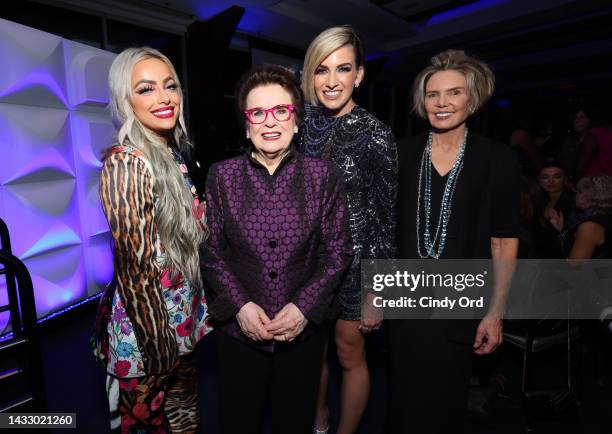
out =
column 287, row 324
column 371, row 316
column 488, row 335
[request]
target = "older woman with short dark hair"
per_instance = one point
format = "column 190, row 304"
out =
column 278, row 246
column 458, row 198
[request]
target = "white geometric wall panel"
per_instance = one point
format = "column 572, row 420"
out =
column 53, row 127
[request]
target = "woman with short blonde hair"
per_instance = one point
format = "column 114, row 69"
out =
column 478, row 76
column 601, row 194
column 587, row 235
column 459, row 199
column 364, row 150
column 322, row 46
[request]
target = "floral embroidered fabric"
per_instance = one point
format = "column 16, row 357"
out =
column 185, row 304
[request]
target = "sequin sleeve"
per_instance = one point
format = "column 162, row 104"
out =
column 379, row 237
column 225, row 293
column 126, row 194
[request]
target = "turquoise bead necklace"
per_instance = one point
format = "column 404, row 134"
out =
column 439, row 238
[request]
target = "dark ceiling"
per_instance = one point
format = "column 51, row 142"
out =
column 560, row 53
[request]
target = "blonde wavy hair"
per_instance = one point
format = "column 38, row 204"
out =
column 598, row 190
column 322, row 46
column 176, row 225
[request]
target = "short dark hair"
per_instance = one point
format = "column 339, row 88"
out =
column 269, row 74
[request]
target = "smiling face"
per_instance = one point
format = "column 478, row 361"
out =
column 271, row 138
column 156, row 97
column 447, row 100
column 552, row 179
column 335, row 78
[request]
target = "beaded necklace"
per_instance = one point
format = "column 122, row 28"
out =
column 439, row 237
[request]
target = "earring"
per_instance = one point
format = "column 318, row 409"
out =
column 357, row 84
column 295, row 129
column 247, row 134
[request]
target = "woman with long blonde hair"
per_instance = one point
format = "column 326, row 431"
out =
column 153, row 314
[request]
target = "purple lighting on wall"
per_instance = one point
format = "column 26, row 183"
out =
column 53, row 125
column 37, row 78
column 58, row 237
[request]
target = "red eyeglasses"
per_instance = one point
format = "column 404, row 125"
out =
column 281, row 113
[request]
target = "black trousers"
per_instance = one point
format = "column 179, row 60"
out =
column 256, row 387
column 429, row 378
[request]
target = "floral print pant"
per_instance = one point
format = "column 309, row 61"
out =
column 155, row 404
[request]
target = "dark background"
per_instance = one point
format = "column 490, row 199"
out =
column 548, row 63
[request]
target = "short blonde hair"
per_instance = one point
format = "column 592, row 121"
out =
column 480, row 79
column 322, row 46
column 598, row 190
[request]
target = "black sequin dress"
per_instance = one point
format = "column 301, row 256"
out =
column 364, row 150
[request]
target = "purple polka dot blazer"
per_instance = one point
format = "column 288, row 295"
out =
column 274, row 239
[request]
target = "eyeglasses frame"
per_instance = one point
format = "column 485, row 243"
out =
column 290, row 107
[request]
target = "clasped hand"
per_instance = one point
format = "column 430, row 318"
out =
column 288, row 323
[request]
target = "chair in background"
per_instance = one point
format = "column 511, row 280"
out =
column 536, row 338
column 21, row 370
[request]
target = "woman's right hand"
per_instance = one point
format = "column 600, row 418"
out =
column 555, row 219
column 252, row 320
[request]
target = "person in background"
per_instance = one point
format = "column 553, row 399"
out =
column 554, row 197
column 364, row 149
column 459, row 198
column 548, row 135
column 587, row 234
column 523, row 143
column 153, row 314
column 279, row 244
column 601, row 161
column 578, row 146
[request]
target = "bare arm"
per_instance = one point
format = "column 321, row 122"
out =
column 588, row 236
column 489, row 333
column 503, row 252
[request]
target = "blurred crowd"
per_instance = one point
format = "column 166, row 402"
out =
column 566, row 170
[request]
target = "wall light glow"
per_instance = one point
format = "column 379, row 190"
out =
column 53, row 125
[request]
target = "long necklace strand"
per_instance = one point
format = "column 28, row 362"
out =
column 425, row 172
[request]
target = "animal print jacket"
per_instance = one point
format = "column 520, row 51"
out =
column 147, row 318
